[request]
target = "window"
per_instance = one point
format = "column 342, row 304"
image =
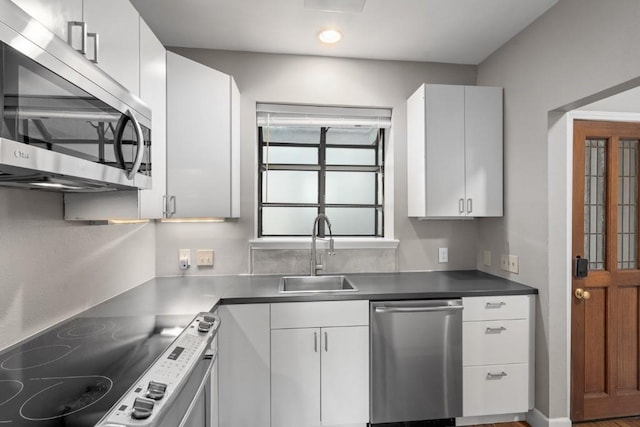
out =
column 314, row 160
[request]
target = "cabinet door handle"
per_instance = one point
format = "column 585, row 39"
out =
column 492, row 376
column 469, row 205
column 495, row 304
column 461, row 206
column 326, row 342
column 315, row 342
column 165, row 209
column 96, row 46
column 495, row 330
column 83, row 38
column 172, row 201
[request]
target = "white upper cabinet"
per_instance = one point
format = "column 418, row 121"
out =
column 142, row 204
column 153, row 91
column 202, row 141
column 454, row 151
column 115, row 22
column 54, row 14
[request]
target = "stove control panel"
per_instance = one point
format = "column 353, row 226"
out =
column 151, row 397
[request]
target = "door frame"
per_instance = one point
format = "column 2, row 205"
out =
column 560, row 228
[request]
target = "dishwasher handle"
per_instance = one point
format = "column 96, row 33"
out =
column 417, row 309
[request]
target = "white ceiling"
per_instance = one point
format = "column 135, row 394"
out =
column 452, row 31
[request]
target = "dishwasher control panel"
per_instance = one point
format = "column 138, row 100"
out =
column 153, row 393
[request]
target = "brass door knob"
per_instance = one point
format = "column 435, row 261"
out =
column 582, row 294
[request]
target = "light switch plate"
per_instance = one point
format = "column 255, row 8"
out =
column 204, row 257
column 514, row 264
column 504, row 262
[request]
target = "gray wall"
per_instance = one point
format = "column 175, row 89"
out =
column 577, row 49
column 51, row 269
column 332, row 81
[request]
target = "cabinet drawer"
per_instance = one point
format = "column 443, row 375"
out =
column 495, row 308
column 495, row 342
column 319, row 314
column 495, row 389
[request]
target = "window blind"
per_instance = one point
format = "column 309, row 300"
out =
column 305, row 115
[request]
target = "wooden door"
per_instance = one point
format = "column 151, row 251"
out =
column 605, row 354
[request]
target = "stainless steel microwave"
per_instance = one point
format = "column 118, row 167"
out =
column 66, row 125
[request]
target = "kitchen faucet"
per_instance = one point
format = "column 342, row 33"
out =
column 314, row 262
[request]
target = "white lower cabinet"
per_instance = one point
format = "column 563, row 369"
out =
column 320, row 375
column 495, row 389
column 295, row 377
column 344, row 381
column 244, row 375
column 497, row 355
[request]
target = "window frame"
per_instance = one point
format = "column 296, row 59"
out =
column 322, row 168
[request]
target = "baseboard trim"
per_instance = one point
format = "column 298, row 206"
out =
column 490, row 419
column 537, row 419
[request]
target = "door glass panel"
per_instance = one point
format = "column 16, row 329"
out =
column 594, row 202
column 627, row 204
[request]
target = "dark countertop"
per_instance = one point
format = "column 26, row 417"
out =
column 381, row 286
column 183, row 295
column 118, row 339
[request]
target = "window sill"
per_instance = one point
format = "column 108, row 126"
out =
column 339, row 243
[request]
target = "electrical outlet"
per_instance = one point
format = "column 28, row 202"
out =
column 204, row 257
column 514, row 264
column 443, row 255
column 504, row 262
column 184, row 258
column 486, row 256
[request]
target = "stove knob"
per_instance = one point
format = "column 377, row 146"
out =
column 204, row 326
column 209, row 319
column 142, row 408
column 156, row 390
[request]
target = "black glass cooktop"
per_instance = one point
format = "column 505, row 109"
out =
column 72, row 374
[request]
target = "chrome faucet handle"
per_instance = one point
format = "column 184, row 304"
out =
column 331, row 247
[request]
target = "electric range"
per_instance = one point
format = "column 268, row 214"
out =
column 72, row 374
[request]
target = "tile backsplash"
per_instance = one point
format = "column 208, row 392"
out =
column 298, row 261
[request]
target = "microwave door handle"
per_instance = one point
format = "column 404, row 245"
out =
column 140, row 152
column 117, row 146
column 117, row 143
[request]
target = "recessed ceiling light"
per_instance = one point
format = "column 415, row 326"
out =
column 330, row 36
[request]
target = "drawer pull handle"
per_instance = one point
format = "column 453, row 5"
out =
column 492, row 376
column 495, row 304
column 496, row 330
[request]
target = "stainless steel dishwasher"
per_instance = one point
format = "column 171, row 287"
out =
column 416, row 360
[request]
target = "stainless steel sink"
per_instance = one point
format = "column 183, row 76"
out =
column 307, row 284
